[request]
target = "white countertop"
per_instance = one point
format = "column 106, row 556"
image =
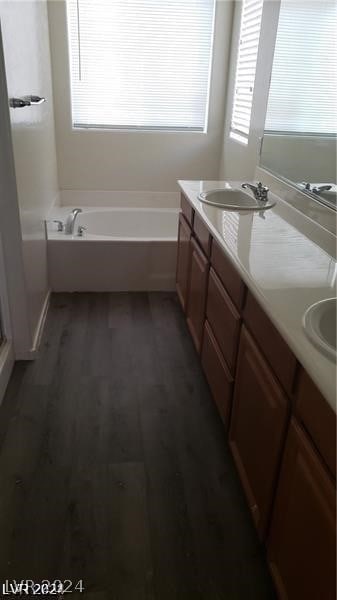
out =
column 286, row 260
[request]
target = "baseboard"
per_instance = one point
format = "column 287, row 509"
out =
column 33, row 352
column 6, row 366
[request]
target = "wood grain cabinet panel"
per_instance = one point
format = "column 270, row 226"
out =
column 318, row 418
column 187, row 209
column 228, row 275
column 302, row 541
column 224, row 319
column 197, row 293
column 217, row 374
column 257, row 430
column 202, row 234
column 273, row 346
column 183, row 261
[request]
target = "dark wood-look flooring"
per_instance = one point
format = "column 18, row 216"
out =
column 114, row 467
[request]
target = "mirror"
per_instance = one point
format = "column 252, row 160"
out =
column 299, row 142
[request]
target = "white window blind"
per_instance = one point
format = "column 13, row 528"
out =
column 303, row 90
column 140, row 63
column 246, row 67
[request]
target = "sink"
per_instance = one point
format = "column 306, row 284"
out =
column 234, row 200
column 319, row 323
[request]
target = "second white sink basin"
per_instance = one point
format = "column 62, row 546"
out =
column 319, row 322
column 234, row 200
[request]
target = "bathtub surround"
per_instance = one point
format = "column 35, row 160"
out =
column 138, row 160
column 110, row 198
column 121, row 249
column 28, row 71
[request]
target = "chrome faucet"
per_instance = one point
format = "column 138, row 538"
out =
column 70, row 222
column 321, row 188
column 260, row 191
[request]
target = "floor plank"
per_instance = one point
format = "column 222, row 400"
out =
column 114, row 465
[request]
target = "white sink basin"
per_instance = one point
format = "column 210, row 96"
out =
column 234, row 200
column 319, row 323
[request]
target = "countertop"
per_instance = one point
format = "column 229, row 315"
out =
column 287, row 261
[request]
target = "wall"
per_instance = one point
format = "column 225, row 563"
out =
column 239, row 160
column 144, row 161
column 27, row 61
column 12, row 277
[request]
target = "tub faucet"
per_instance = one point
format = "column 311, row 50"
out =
column 70, row 222
column 260, row 191
column 321, row 188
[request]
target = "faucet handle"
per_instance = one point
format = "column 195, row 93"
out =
column 81, row 230
column 60, row 224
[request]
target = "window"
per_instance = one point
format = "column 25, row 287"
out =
column 304, row 69
column 140, row 64
column 245, row 68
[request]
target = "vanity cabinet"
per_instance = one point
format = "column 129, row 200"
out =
column 224, row 319
column 195, row 314
column 302, row 542
column 282, row 432
column 257, row 431
column 219, row 378
column 183, row 260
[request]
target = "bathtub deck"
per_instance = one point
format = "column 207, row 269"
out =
column 113, row 463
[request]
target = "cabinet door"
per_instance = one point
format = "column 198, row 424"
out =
column 197, row 293
column 257, row 431
column 302, row 541
column 224, row 320
column 217, row 374
column 183, row 260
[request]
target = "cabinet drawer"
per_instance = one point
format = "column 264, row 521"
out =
column 275, row 349
column 224, row 319
column 202, row 234
column 228, row 275
column 186, row 209
column 318, row 418
column 217, row 374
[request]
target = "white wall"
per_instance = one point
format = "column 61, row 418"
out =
column 239, row 161
column 144, row 161
column 27, row 61
column 12, row 277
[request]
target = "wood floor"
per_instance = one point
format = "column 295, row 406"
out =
column 114, row 467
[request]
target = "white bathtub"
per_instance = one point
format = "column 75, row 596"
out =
column 122, row 249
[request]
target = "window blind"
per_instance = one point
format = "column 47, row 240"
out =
column 303, row 90
column 140, row 63
column 246, row 66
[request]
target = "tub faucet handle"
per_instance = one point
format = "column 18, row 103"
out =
column 60, row 224
column 81, row 229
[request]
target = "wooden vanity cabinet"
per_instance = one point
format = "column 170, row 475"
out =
column 195, row 314
column 224, row 319
column 228, row 275
column 257, row 430
column 217, row 374
column 317, row 418
column 301, row 546
column 183, row 261
column 282, row 432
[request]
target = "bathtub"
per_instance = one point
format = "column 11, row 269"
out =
column 122, row 249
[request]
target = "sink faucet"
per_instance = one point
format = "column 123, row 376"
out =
column 70, row 222
column 321, row 188
column 260, row 191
